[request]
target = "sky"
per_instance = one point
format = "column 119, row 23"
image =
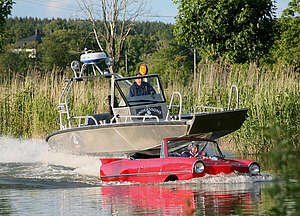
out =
column 158, row 10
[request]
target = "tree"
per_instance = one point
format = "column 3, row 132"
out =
column 287, row 48
column 137, row 48
column 293, row 9
column 54, row 25
column 238, row 30
column 145, row 39
column 14, row 63
column 60, row 48
column 173, row 63
column 118, row 20
column 5, row 9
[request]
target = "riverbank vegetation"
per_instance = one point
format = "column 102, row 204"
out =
column 29, row 104
column 268, row 80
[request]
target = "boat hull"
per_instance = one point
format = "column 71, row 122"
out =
column 114, row 140
column 219, row 123
column 118, row 140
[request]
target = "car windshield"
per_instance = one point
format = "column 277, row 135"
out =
column 138, row 91
column 178, row 147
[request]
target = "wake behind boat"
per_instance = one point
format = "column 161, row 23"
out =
column 139, row 116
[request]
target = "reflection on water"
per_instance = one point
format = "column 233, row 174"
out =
column 175, row 199
column 172, row 199
column 36, row 182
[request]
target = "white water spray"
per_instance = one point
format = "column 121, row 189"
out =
column 36, row 151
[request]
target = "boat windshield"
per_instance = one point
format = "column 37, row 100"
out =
column 138, row 91
column 178, row 147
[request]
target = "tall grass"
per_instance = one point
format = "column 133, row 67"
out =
column 271, row 94
column 29, row 105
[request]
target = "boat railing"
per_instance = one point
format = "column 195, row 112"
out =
column 127, row 119
column 89, row 58
column 233, row 87
column 63, row 107
column 130, row 117
column 203, row 109
column 171, row 105
column 86, row 118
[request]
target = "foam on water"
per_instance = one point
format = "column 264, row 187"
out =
column 233, row 178
column 18, row 150
column 36, row 151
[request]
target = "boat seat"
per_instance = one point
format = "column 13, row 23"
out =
column 99, row 117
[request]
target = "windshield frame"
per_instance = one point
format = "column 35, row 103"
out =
column 129, row 103
column 188, row 140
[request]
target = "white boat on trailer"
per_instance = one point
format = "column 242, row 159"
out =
column 134, row 123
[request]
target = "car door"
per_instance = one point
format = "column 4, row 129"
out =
column 150, row 170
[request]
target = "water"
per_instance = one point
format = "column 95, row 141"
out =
column 34, row 181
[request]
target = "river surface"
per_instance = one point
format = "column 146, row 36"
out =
column 34, row 181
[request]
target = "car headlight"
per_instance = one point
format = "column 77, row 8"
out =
column 254, row 169
column 199, row 167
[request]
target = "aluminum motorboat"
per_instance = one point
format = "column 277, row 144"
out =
column 134, row 123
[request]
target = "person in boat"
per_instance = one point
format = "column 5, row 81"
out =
column 139, row 88
column 191, row 152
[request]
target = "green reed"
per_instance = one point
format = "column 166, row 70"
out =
column 271, row 94
column 28, row 105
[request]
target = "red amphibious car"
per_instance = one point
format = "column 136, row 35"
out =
column 173, row 163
